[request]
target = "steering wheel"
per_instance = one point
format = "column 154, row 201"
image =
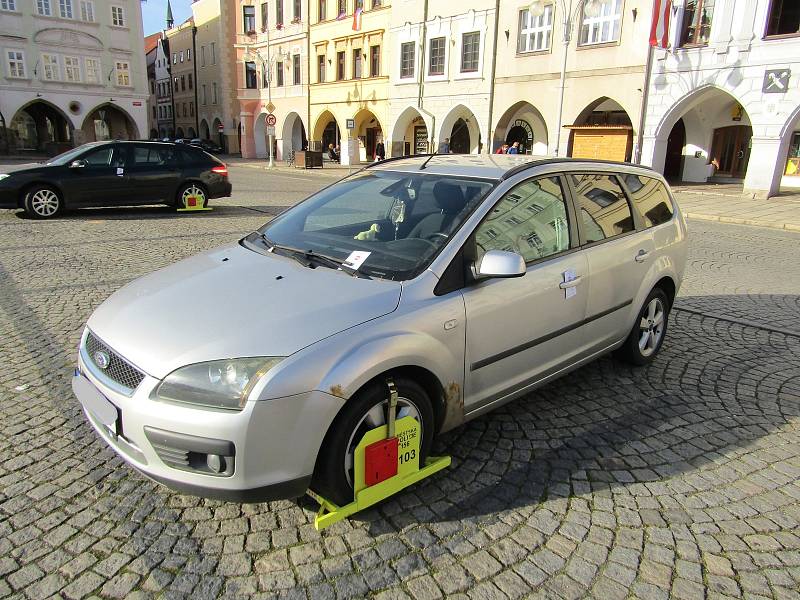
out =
column 432, row 236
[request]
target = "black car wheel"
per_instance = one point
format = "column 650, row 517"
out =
column 43, row 202
column 334, row 472
column 192, row 190
column 647, row 335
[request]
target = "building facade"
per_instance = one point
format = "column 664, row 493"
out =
column 164, row 115
column 184, row 76
column 74, row 71
column 150, row 54
column 441, row 75
column 724, row 102
column 273, row 67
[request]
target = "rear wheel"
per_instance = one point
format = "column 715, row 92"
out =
column 43, row 202
column 647, row 336
column 334, row 472
column 192, row 192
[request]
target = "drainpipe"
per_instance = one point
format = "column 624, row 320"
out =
column 421, row 62
column 488, row 144
column 194, row 65
column 645, row 94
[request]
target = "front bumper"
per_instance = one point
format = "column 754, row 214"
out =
column 274, row 443
column 9, row 197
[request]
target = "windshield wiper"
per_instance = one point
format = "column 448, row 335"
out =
column 308, row 257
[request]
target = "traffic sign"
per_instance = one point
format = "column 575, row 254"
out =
column 271, row 120
column 350, row 123
column 220, row 127
column 270, row 130
column 270, row 107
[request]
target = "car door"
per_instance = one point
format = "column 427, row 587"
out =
column 101, row 180
column 618, row 255
column 522, row 329
column 154, row 172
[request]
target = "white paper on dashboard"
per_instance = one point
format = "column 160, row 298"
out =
column 356, row 259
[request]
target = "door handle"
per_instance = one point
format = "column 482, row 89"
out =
column 570, row 284
column 642, row 256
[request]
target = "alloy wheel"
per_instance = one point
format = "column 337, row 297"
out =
column 45, row 203
column 193, row 191
column 651, row 327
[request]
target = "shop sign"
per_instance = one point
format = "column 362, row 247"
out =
column 776, row 81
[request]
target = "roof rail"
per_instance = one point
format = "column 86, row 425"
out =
column 394, row 158
column 550, row 161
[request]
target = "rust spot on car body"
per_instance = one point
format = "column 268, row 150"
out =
column 453, row 406
column 336, row 390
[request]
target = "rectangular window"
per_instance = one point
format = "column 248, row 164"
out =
column 87, row 11
column 43, row 8
column 249, row 19
column 16, row 63
column 603, row 27
column 8, row 4
column 203, row 97
column 123, row 73
column 407, row 60
column 65, row 9
column 175, row 84
column 50, row 71
column 436, row 57
column 340, row 68
column 72, row 69
column 279, row 74
column 296, row 69
column 650, row 198
column 377, row 3
column 605, row 211
column 202, row 56
column 183, row 83
column 357, row 63
column 534, row 31
column 341, row 8
column 264, row 76
column 213, row 53
column 322, row 10
column 214, row 92
column 321, row 68
column 190, row 80
column 92, row 70
column 185, row 112
column 189, row 54
column 279, row 12
column 250, row 76
column 174, row 58
column 535, row 234
column 297, row 10
column 470, row 51
column 118, row 16
column 784, row 17
column 374, row 61
column 181, row 55
column 696, row 27
column 191, row 109
column 264, row 16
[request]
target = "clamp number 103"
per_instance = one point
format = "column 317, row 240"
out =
column 407, row 456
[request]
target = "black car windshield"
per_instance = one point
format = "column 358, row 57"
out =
column 67, row 157
column 397, row 221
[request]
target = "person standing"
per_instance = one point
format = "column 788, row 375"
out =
column 514, row 148
column 502, row 149
column 380, row 151
column 444, row 147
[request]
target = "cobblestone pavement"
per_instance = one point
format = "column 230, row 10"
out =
column 676, row 480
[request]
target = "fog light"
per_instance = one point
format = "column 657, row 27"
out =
column 216, row 463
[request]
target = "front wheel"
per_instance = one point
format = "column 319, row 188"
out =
column 647, row 336
column 334, row 472
column 191, row 195
column 43, row 202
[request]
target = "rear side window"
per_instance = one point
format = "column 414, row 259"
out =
column 650, row 198
column 152, row 156
column 604, row 209
column 192, row 157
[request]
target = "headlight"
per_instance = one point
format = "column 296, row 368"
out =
column 4, row 176
column 217, row 384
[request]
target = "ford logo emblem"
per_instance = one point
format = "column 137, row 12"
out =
column 101, row 359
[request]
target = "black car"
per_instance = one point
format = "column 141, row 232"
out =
column 117, row 173
column 206, row 145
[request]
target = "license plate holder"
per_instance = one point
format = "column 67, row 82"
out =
column 96, row 403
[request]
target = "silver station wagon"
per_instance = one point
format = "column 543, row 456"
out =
column 250, row 372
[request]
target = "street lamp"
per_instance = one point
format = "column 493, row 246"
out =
column 591, row 8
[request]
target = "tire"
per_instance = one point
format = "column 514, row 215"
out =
column 645, row 339
column 43, row 202
column 191, row 189
column 332, row 479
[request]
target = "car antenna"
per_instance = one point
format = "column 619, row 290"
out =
column 422, row 167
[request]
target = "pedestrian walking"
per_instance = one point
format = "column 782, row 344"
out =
column 502, row 149
column 380, row 151
column 444, row 147
column 514, row 148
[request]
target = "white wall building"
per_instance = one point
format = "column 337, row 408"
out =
column 73, row 71
column 724, row 102
column 440, row 76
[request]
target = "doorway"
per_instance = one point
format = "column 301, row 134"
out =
column 731, row 150
column 459, row 138
column 673, row 163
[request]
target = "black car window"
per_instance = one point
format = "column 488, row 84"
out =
column 190, row 156
column 101, row 157
column 151, row 156
column 604, row 209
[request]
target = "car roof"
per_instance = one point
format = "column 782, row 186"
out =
column 490, row 166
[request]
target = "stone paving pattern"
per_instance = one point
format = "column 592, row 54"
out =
column 678, row 480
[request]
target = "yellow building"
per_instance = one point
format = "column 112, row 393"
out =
column 349, row 83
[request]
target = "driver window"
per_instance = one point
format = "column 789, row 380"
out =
column 100, row 157
column 531, row 219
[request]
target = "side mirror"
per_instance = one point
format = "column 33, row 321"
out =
column 499, row 263
column 78, row 164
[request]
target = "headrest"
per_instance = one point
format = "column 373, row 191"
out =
column 448, row 197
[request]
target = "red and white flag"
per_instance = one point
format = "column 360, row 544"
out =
column 659, row 31
column 357, row 19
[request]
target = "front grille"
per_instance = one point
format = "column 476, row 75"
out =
column 118, row 370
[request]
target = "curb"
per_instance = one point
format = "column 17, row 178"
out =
column 739, row 221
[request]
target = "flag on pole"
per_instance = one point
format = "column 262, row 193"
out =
column 357, row 19
column 659, row 31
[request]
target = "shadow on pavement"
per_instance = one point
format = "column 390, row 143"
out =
column 150, row 212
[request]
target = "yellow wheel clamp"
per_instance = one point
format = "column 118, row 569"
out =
column 193, row 204
column 386, row 462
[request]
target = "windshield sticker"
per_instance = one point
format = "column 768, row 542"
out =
column 356, row 259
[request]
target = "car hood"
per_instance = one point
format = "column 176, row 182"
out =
column 233, row 302
column 8, row 169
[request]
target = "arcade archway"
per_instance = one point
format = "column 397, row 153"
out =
column 40, row 126
column 109, row 122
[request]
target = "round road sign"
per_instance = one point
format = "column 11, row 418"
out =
column 271, row 120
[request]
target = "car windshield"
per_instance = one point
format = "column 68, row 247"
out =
column 399, row 221
column 67, row 157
